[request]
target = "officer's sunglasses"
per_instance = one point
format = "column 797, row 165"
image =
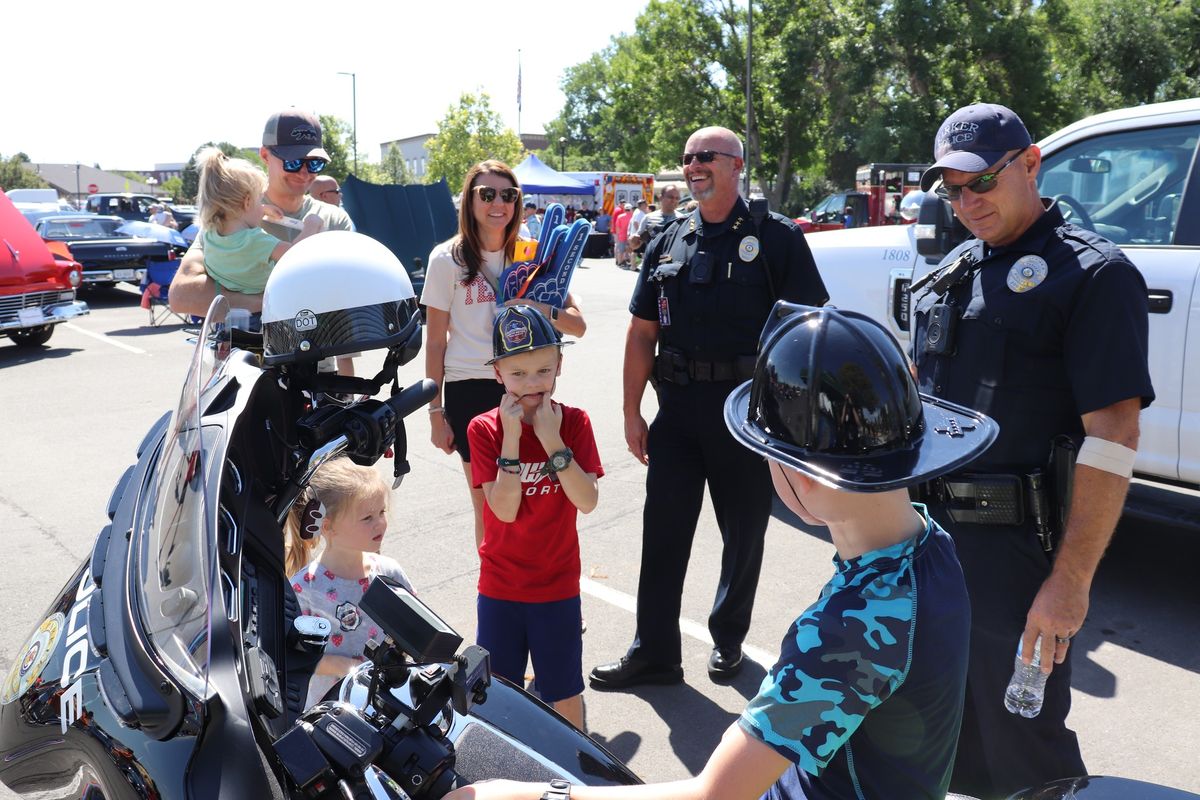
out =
column 704, row 156
column 488, row 193
column 315, row 165
column 981, row 185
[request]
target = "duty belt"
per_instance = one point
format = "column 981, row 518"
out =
column 994, row 499
column 674, row 367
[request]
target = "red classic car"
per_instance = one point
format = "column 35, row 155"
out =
column 37, row 288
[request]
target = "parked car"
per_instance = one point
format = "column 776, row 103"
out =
column 1130, row 175
column 37, row 289
column 129, row 205
column 106, row 255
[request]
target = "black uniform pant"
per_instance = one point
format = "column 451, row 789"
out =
column 689, row 447
column 999, row 752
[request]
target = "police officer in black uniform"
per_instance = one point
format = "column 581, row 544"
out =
column 706, row 287
column 1041, row 325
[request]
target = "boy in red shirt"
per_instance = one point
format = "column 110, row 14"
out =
column 537, row 463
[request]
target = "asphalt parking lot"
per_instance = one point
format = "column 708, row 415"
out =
column 73, row 413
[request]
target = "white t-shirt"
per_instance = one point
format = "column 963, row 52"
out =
column 472, row 310
column 323, row 594
column 636, row 222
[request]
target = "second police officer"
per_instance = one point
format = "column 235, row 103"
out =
column 706, row 287
column 1041, row 325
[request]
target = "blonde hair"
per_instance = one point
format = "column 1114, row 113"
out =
column 225, row 186
column 336, row 485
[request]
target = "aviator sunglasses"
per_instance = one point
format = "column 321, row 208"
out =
column 315, row 165
column 488, row 193
column 704, row 156
column 981, row 185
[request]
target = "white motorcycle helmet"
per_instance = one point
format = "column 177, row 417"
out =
column 335, row 293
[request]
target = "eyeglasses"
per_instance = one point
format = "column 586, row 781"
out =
column 981, row 185
column 488, row 193
column 315, row 165
column 704, row 156
column 331, row 191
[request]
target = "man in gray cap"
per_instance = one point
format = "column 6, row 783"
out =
column 1041, row 325
column 291, row 148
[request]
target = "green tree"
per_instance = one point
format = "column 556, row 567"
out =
column 394, row 169
column 336, row 139
column 173, row 188
column 469, row 133
column 15, row 176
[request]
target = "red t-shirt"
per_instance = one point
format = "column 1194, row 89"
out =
column 621, row 224
column 534, row 558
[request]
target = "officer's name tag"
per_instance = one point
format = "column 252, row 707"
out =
column 1027, row 273
column 748, row 248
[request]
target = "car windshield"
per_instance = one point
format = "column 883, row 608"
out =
column 175, row 552
column 80, row 228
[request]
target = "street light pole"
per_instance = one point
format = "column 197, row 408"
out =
column 562, row 153
column 354, row 112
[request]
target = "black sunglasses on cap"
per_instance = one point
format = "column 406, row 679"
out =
column 315, row 165
column 488, row 193
column 704, row 156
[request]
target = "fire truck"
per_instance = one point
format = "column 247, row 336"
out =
column 874, row 200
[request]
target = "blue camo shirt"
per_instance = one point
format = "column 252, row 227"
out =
column 866, row 698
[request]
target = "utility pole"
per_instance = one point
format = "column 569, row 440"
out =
column 354, row 112
column 749, row 93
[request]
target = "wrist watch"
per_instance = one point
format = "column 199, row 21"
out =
column 559, row 790
column 560, row 460
column 553, row 313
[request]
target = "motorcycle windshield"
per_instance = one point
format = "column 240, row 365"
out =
column 175, row 554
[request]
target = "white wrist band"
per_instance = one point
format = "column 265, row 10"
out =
column 1108, row 456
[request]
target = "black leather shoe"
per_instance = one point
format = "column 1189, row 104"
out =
column 626, row 672
column 724, row 663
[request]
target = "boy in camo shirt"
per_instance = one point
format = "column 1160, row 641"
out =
column 866, row 698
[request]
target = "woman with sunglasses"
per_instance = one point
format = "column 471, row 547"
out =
column 460, row 308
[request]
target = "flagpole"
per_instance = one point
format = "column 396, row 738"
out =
column 518, row 92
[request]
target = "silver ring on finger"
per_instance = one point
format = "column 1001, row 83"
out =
column 1062, row 639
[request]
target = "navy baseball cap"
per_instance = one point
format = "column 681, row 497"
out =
column 973, row 138
column 292, row 134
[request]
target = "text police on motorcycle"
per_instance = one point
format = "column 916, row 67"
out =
column 705, row 289
column 1042, row 325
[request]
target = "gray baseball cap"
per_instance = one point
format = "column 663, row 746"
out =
column 292, row 134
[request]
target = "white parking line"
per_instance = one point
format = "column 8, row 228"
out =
column 104, row 338
column 690, row 627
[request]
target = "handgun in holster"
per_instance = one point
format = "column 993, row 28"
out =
column 1062, row 479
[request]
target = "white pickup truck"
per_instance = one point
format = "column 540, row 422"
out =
column 1131, row 175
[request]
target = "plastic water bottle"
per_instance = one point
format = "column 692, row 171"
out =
column 1027, row 689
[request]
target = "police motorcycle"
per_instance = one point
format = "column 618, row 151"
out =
column 175, row 662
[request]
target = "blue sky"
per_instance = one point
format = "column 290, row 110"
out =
column 99, row 83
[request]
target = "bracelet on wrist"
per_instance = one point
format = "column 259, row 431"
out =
column 436, row 410
column 511, row 470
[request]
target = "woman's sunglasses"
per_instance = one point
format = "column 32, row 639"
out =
column 488, row 193
column 981, row 185
column 704, row 156
column 315, row 165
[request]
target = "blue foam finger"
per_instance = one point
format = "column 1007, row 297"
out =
column 555, row 214
column 551, row 284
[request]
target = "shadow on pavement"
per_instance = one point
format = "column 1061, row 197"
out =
column 11, row 355
column 1145, row 598
column 149, row 330
column 109, row 297
column 695, row 722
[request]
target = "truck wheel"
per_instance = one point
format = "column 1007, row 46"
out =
column 32, row 337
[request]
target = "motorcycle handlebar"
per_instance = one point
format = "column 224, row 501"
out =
column 412, row 398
